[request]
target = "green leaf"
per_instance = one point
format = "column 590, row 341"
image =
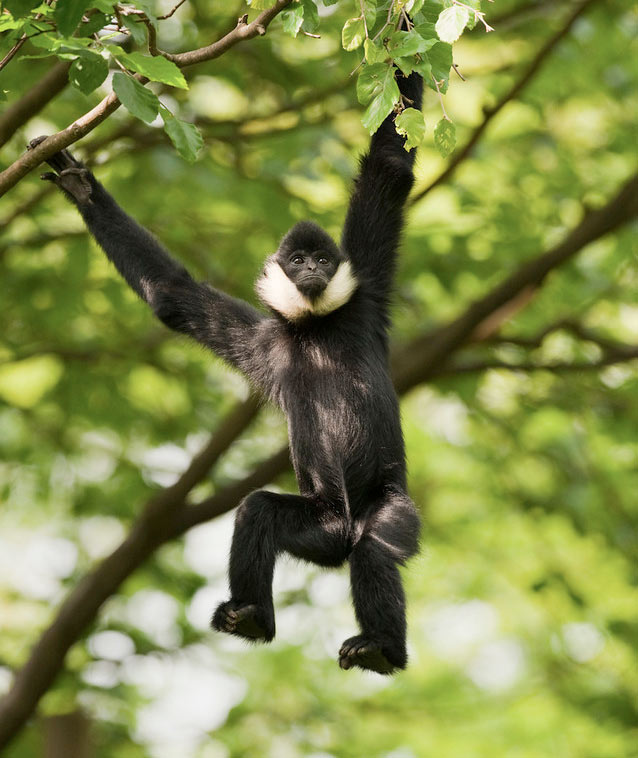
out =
column 149, row 9
column 186, row 137
column 380, row 108
column 440, row 58
column 136, row 28
column 68, row 14
column 138, row 100
column 380, row 85
column 403, row 44
column 7, row 23
column 374, row 52
column 372, row 80
column 431, row 10
column 95, row 23
column 310, row 16
column 20, row 8
column 370, row 12
column 353, row 33
column 445, row 137
column 154, row 67
column 427, row 31
column 330, row 2
column 423, row 67
column 292, row 20
column 259, row 5
column 57, row 45
column 451, row 23
column 410, row 123
column 405, row 65
column 476, row 5
column 88, row 71
column 106, row 6
column 413, row 6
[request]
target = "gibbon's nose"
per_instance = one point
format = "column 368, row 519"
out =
column 312, row 266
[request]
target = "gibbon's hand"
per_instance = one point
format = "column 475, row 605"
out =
column 71, row 176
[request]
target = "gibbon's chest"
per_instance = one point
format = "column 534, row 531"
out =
column 325, row 376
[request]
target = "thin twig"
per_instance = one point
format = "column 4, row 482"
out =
column 438, row 92
column 168, row 15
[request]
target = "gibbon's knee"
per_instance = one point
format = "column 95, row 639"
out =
column 254, row 510
column 395, row 527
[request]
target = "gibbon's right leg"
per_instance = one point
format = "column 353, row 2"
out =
column 267, row 524
column 389, row 538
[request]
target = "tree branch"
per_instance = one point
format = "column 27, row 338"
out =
column 86, row 123
column 511, row 94
column 628, row 353
column 421, row 358
column 157, row 524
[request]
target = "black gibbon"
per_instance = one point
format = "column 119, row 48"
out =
column 322, row 356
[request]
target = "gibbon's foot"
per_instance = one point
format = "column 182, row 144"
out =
column 70, row 174
column 247, row 621
column 365, row 653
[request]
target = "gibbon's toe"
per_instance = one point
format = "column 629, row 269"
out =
column 245, row 621
column 365, row 653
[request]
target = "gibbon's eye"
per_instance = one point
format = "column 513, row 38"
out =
column 297, row 260
column 323, row 261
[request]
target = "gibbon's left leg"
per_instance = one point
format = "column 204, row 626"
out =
column 268, row 523
column 389, row 538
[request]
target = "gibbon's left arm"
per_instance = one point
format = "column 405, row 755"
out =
column 225, row 325
column 375, row 216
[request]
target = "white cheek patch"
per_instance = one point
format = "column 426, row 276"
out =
column 276, row 290
column 338, row 291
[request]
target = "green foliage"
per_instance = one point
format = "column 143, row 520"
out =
column 68, row 13
column 20, row 8
column 138, row 100
column 411, row 124
column 293, row 19
column 522, row 603
column 451, row 23
column 156, row 68
column 445, row 137
column 186, row 137
column 88, row 71
column 353, row 33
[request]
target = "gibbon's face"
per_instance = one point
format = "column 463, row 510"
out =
column 309, row 270
column 307, row 275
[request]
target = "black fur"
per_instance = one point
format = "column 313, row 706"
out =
column 330, row 376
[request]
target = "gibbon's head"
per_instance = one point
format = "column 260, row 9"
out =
column 308, row 275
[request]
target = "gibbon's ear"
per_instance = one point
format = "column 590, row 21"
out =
column 278, row 292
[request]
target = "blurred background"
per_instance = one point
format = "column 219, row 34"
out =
column 522, row 442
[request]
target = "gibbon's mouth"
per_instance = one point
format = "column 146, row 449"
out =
column 312, row 285
column 312, row 278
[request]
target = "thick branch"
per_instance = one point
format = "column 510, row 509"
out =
column 420, row 360
column 511, row 94
column 156, row 525
column 34, row 100
column 85, row 124
column 629, row 353
column 242, row 31
column 165, row 517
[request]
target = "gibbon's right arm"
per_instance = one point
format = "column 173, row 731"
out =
column 222, row 323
